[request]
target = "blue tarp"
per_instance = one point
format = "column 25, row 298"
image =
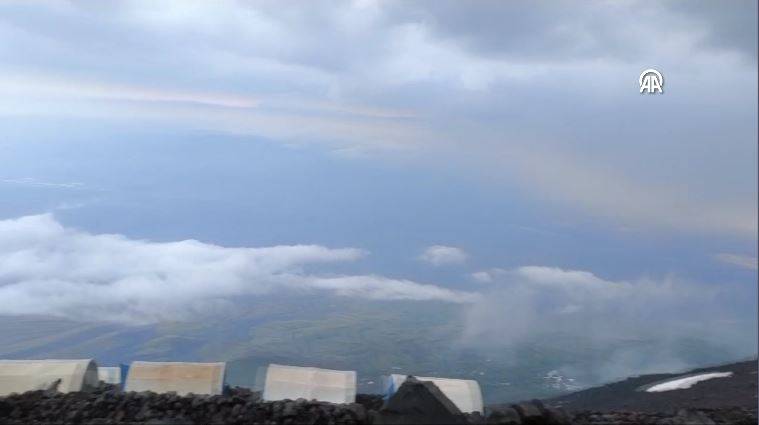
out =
column 124, row 368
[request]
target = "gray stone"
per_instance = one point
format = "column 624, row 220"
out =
column 504, row 416
column 530, row 413
column 692, row 417
column 557, row 416
column 358, row 411
column 290, row 409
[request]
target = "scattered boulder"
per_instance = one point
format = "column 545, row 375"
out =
column 504, row 416
column 530, row 413
column 419, row 402
column 414, row 403
column 370, row 401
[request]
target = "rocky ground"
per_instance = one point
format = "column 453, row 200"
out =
column 732, row 415
column 416, row 404
column 738, row 390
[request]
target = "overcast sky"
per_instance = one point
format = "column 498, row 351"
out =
column 401, row 150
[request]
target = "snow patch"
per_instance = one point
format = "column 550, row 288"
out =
column 687, row 382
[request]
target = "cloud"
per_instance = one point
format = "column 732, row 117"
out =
column 742, row 261
column 382, row 288
column 597, row 189
column 48, row 86
column 31, row 182
column 543, row 276
column 638, row 325
column 46, row 268
column 482, row 277
column 554, row 277
column 488, row 276
column 564, row 30
column 430, row 81
column 723, row 27
column 441, row 255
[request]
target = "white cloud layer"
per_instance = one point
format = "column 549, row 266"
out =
column 487, row 276
column 742, row 261
column 441, row 255
column 641, row 324
column 501, row 88
column 46, row 268
column 31, row 182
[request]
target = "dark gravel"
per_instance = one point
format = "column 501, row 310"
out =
column 734, row 415
column 107, row 405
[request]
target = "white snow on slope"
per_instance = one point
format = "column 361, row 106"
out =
column 687, row 382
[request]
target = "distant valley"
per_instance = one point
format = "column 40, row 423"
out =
column 373, row 338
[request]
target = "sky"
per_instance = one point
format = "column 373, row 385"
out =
column 487, row 154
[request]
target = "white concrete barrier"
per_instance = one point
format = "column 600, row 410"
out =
column 18, row 376
column 179, row 377
column 294, row 382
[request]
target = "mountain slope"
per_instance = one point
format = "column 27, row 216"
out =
column 737, row 390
